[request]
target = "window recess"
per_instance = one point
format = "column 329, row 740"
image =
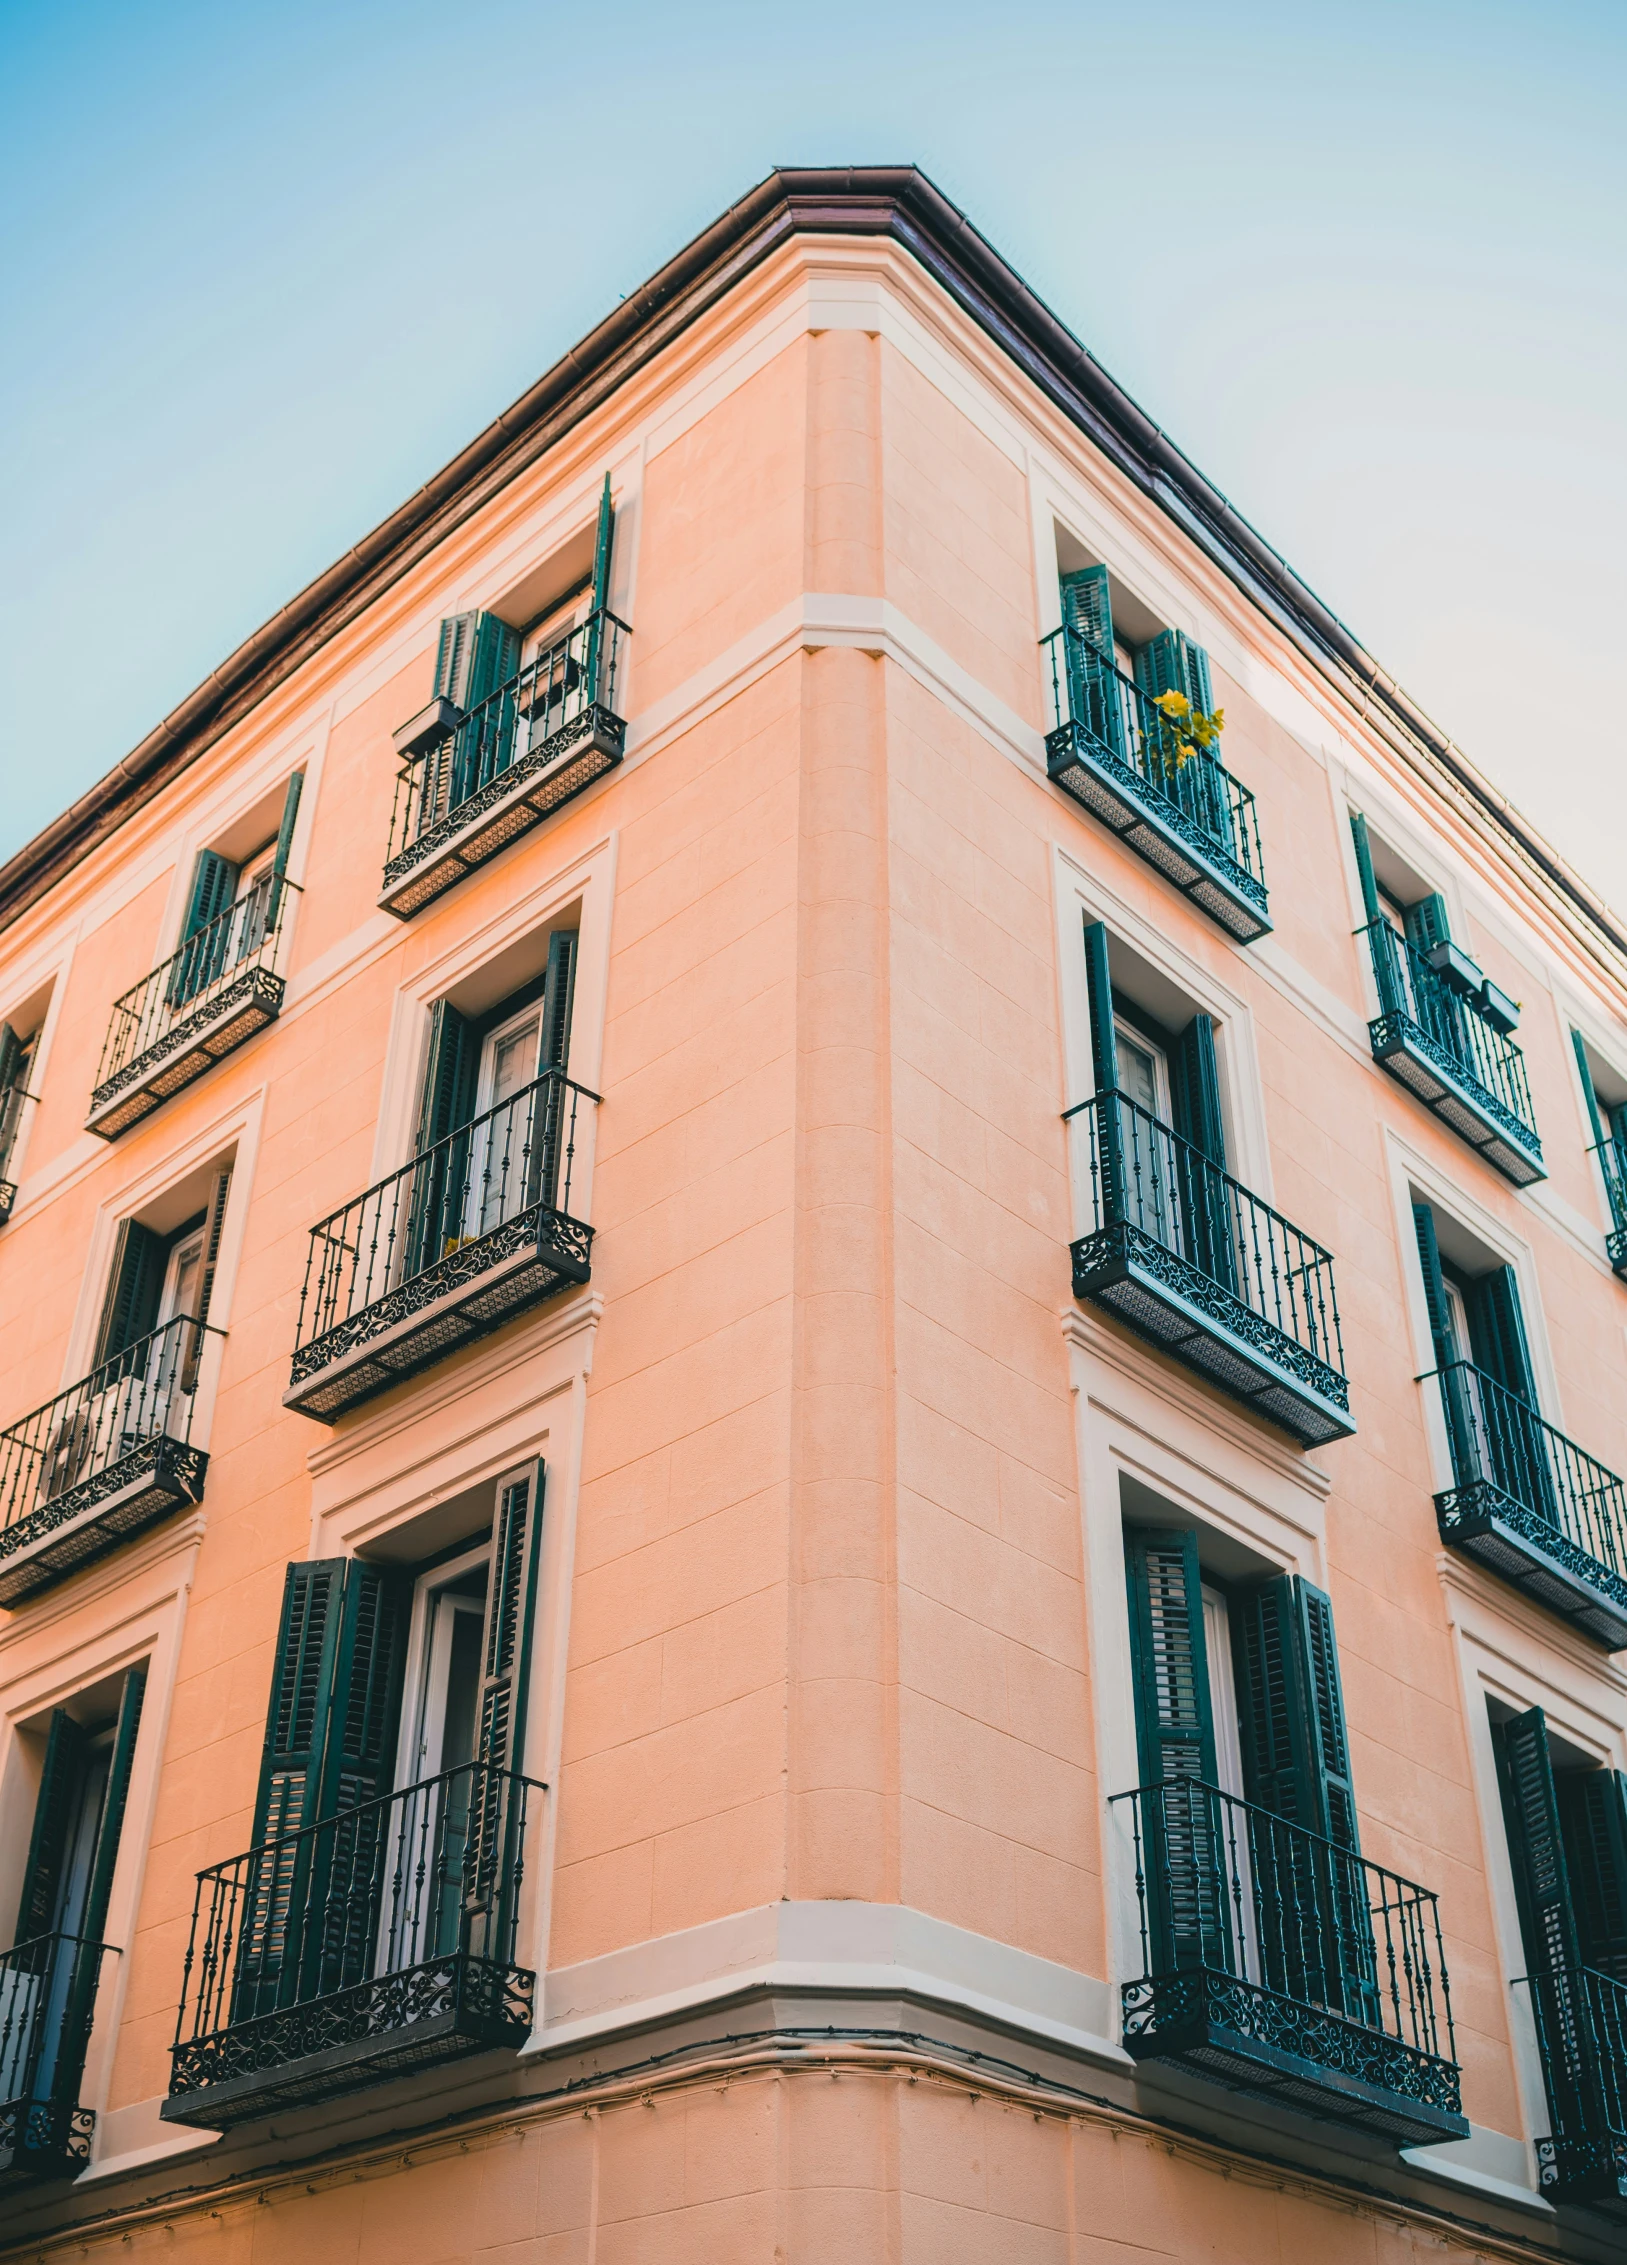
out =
column 49, row 1977
column 379, row 1903
column 1567, row 1841
column 477, row 1227
column 1133, row 738
column 16, row 1063
column 521, row 721
column 114, row 1453
column 215, row 991
column 1525, row 1501
column 1179, row 1250
column 1443, row 1030
column 1275, row 1959
column 1607, row 1119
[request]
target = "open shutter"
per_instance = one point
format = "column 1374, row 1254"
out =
column 1093, row 686
column 439, row 1185
column 1186, row 1829
column 1516, row 1444
column 1386, row 952
column 1464, row 1431
column 1427, row 923
column 203, row 954
column 1429, row 1259
column 53, row 1823
column 214, row 1221
column 546, row 1140
column 1205, row 1198
column 1104, row 1059
column 603, row 541
column 11, row 1090
column 1548, row 1925
column 1593, row 1824
column 114, row 1800
column 1584, row 1070
column 1497, row 1333
column 1170, row 662
column 556, row 999
column 285, row 843
column 492, row 1875
column 476, row 654
column 130, row 1309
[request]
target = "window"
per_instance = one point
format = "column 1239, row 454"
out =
column 1483, row 1359
column 233, row 905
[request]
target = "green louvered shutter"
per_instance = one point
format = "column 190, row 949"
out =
column 1175, row 1737
column 548, row 1132
column 330, row 1743
column 603, row 541
column 1093, row 687
column 204, row 943
column 1515, row 1441
column 1440, row 1313
column 11, row 1091
column 446, row 1107
column 1593, row 1822
column 1583, row 1066
column 476, row 654
column 285, row 843
column 1205, row 1197
column 505, row 1660
column 213, row 1227
column 1315, row 1936
column 1547, row 1916
column 1170, row 662
column 134, row 1288
column 54, row 1806
column 81, row 1998
column 1386, row 952
column 1439, row 1010
column 1465, row 1434
column 1109, row 1114
column 1427, row 923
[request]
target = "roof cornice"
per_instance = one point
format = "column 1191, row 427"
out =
column 897, row 202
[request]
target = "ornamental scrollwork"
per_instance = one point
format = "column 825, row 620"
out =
column 257, row 989
column 1459, row 1508
column 1070, row 746
column 172, row 1464
column 607, row 735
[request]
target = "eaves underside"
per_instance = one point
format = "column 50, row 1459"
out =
column 895, row 202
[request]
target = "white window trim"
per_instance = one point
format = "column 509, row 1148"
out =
column 232, row 800
column 51, row 973
column 1083, row 896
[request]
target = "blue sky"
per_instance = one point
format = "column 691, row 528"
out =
column 264, row 269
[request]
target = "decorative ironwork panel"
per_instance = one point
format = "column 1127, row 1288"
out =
column 47, row 1997
column 1581, row 2022
column 1440, row 1044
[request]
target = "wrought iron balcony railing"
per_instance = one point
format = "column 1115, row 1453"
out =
column 1581, row 2022
column 1437, row 1040
column 376, row 1942
column 473, row 782
column 1612, row 1155
column 47, row 1997
column 468, row 1234
column 1533, row 1506
column 202, row 1003
column 1113, row 749
column 100, row 1461
column 1190, row 1259
column 1279, row 1963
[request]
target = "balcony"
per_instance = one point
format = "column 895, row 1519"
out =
column 1189, row 1259
column 376, row 1943
column 470, row 1233
column 102, row 1460
column 205, row 1001
column 1581, row 2021
column 47, row 1997
column 472, row 783
column 1439, row 1039
column 1113, row 750
column 1613, row 1163
column 1276, row 1963
column 1531, row 1506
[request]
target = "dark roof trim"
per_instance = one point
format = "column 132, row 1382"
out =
column 895, row 201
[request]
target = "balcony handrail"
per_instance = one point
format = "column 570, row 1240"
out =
column 511, row 1159
column 1612, row 1154
column 1144, row 1175
column 1455, row 1022
column 1494, row 1435
column 1227, row 1886
column 1585, row 2057
column 1133, row 730
column 567, row 679
column 143, row 1393
column 426, row 1873
column 246, row 936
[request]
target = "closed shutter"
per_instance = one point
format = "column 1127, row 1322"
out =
column 1593, row 1823
column 1093, row 686
column 309, row 1906
column 1465, row 1429
column 1515, row 1441
column 1171, row 662
column 53, row 1824
column 11, row 1091
column 81, row 1999
column 1205, row 1197
column 203, row 943
column 1439, row 1011
column 440, row 1183
column 505, row 1660
column 1315, row 1933
column 1547, row 1916
column 1186, row 1829
column 1427, row 923
column 476, row 654
column 135, row 1285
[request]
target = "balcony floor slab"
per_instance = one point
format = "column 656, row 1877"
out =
column 1535, row 1556
column 84, row 1522
column 1204, row 1326
column 185, row 1052
column 1403, row 1049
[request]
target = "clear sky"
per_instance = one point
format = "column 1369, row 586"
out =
column 264, row 269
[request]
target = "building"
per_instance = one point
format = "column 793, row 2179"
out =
column 813, row 1366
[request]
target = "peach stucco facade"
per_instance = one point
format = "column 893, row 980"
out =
column 830, row 1668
